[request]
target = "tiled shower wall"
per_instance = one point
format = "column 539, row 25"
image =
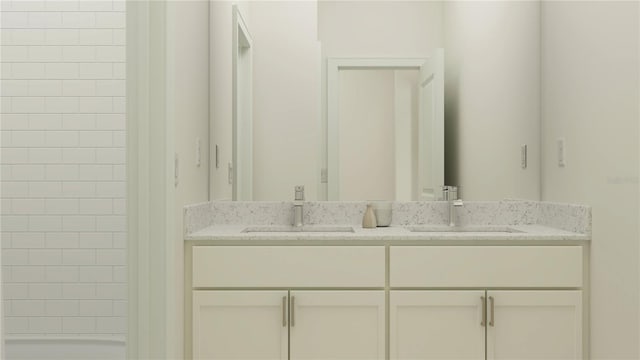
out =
column 63, row 167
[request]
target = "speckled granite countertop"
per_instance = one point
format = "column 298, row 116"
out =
column 392, row 233
column 527, row 221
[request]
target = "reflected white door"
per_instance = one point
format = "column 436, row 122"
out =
column 240, row 325
column 430, row 325
column 431, row 128
column 427, row 173
column 337, row 325
column 535, row 325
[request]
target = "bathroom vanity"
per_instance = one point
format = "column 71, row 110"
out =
column 510, row 282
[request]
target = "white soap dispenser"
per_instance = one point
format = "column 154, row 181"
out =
column 369, row 219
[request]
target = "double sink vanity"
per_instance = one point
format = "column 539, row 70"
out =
column 509, row 281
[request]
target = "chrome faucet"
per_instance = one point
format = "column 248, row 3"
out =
column 450, row 194
column 297, row 206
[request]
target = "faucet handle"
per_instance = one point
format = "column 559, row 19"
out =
column 299, row 193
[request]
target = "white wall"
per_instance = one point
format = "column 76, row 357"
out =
column 591, row 87
column 286, row 93
column 188, row 85
column 220, row 33
column 63, row 168
column 492, row 85
column 379, row 28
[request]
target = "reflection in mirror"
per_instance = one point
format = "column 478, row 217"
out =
column 385, row 128
column 270, row 123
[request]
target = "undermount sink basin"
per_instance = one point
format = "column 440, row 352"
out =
column 303, row 229
column 465, row 229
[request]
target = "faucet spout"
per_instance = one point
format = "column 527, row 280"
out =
column 451, row 196
column 297, row 215
column 453, row 204
column 297, row 206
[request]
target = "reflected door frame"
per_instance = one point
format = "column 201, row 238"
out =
column 241, row 171
column 332, row 151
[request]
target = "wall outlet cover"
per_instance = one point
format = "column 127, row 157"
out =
column 561, row 147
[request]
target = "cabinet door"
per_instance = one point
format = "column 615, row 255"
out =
column 337, row 325
column 240, row 325
column 534, row 325
column 428, row 325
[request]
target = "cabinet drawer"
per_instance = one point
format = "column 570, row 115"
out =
column 486, row 266
column 288, row 266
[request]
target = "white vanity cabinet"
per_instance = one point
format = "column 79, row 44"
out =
column 518, row 324
column 262, row 324
column 540, row 319
column 436, row 324
column 240, row 325
column 380, row 300
column 340, row 325
column 541, row 324
column 317, row 313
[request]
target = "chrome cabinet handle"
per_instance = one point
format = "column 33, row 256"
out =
column 493, row 311
column 484, row 311
column 292, row 321
column 284, row 311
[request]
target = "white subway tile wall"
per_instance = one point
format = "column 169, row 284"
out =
column 63, row 167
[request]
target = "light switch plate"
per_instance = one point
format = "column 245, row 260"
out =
column 176, row 170
column 561, row 152
column 198, row 157
column 523, row 156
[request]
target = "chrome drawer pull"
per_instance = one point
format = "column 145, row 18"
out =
column 284, row 311
column 293, row 314
column 493, row 311
column 484, row 311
